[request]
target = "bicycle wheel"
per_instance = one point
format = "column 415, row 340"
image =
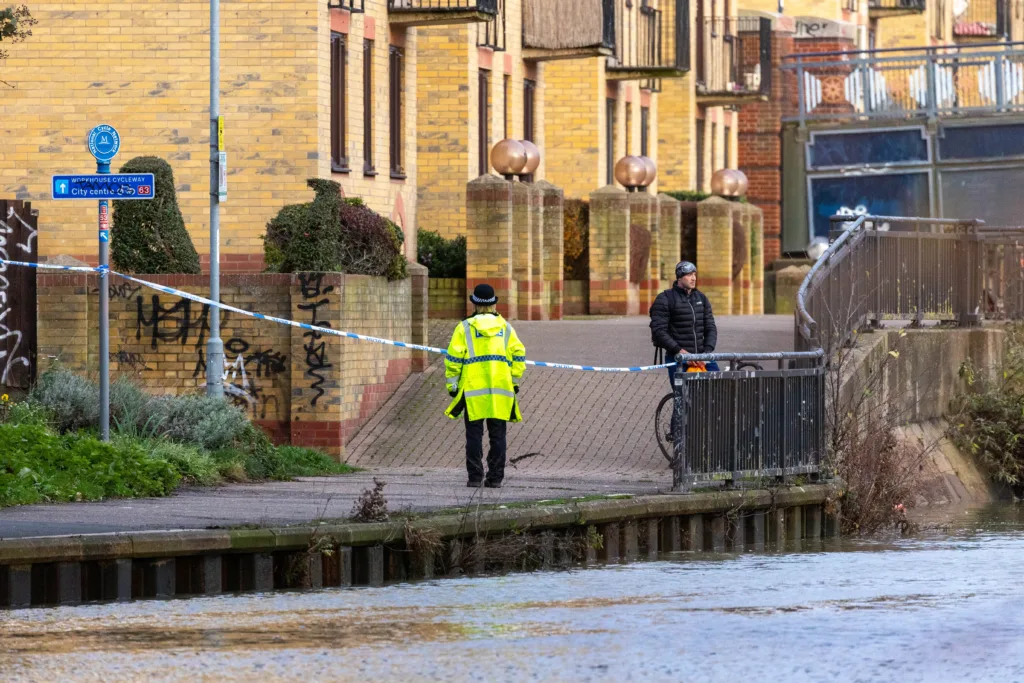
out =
column 663, row 427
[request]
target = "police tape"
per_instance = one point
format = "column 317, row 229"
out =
column 103, row 271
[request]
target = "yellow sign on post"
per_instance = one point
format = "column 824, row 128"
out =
column 220, row 133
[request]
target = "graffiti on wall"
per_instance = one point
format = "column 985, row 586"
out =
column 314, row 295
column 17, row 325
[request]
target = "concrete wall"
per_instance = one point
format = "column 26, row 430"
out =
column 300, row 387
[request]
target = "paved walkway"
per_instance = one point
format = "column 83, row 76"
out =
column 593, row 433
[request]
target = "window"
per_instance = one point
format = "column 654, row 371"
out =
column 368, row 168
column 339, row 159
column 396, row 67
column 700, row 155
column 506, row 86
column 529, row 92
column 609, row 136
column 645, row 131
column 727, row 161
column 483, row 118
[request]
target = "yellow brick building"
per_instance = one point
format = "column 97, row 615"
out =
column 144, row 69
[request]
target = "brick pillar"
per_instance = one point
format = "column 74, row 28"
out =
column 714, row 251
column 489, row 241
column 611, row 292
column 419, row 281
column 316, row 405
column 552, row 202
column 538, row 307
column 670, row 227
column 756, row 261
column 522, row 246
column 643, row 217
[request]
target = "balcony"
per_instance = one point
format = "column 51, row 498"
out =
column 894, row 8
column 734, row 60
column 650, row 42
column 441, row 12
column 923, row 83
column 492, row 33
column 568, row 29
column 354, row 6
column 985, row 19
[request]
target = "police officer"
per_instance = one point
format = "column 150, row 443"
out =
column 483, row 366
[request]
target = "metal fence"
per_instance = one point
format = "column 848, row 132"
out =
column 492, row 33
column 749, row 424
column 488, row 6
column 645, row 40
column 734, row 55
column 906, row 83
column 901, row 6
column 1002, row 272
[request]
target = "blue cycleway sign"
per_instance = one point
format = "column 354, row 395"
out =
column 104, row 186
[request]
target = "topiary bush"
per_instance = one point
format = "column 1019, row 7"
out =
column 331, row 234
column 576, row 233
column 150, row 236
column 444, row 258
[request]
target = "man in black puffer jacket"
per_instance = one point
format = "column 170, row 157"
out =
column 682, row 321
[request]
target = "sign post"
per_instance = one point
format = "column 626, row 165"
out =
column 104, row 142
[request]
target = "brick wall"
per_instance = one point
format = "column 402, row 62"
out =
column 147, row 74
column 300, row 387
column 447, row 298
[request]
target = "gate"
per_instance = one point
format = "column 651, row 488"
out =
column 18, row 228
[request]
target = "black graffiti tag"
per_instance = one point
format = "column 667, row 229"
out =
column 313, row 292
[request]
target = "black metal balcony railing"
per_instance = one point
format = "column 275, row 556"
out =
column 649, row 42
column 442, row 7
column 982, row 19
column 492, row 33
column 568, row 28
column 354, row 6
column 896, row 6
column 851, row 5
column 734, row 56
column 907, row 83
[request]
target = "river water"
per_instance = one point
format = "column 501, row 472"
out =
column 946, row 605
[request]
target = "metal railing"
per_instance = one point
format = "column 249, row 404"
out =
column 492, row 33
column 734, row 55
column 646, row 41
column 354, row 6
column 1003, row 272
column 906, row 83
column 896, row 5
column 441, row 6
column 749, row 423
column 982, row 19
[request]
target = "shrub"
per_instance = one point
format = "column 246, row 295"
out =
column 576, row 233
column 192, row 464
column 444, row 258
column 331, row 234
column 688, row 195
column 150, row 236
column 37, row 465
column 210, row 423
column 991, row 417
column 72, row 402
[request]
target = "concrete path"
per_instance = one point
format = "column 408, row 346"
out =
column 593, row 433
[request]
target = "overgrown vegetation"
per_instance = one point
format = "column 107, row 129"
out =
column 576, row 240
column 371, row 506
column 49, row 451
column 332, row 234
column 689, row 195
column 16, row 24
column 444, row 258
column 991, row 415
column 150, row 236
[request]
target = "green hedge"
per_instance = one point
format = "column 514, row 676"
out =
column 332, row 234
column 149, row 236
column 694, row 196
column 444, row 258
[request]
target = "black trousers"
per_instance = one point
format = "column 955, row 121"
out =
column 475, row 448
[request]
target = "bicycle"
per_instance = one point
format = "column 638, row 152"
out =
column 663, row 413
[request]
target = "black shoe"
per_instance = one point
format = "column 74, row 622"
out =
column 492, row 484
column 474, row 483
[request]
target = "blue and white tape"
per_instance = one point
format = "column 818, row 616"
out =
column 314, row 328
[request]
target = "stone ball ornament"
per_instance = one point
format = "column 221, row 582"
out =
column 532, row 157
column 508, row 157
column 728, row 182
column 630, row 171
column 652, row 170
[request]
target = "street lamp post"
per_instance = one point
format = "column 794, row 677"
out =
column 215, row 345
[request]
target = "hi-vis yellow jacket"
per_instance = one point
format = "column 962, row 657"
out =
column 485, row 361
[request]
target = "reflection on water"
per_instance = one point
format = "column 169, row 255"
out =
column 947, row 605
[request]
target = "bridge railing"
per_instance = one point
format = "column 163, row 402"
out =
column 890, row 268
